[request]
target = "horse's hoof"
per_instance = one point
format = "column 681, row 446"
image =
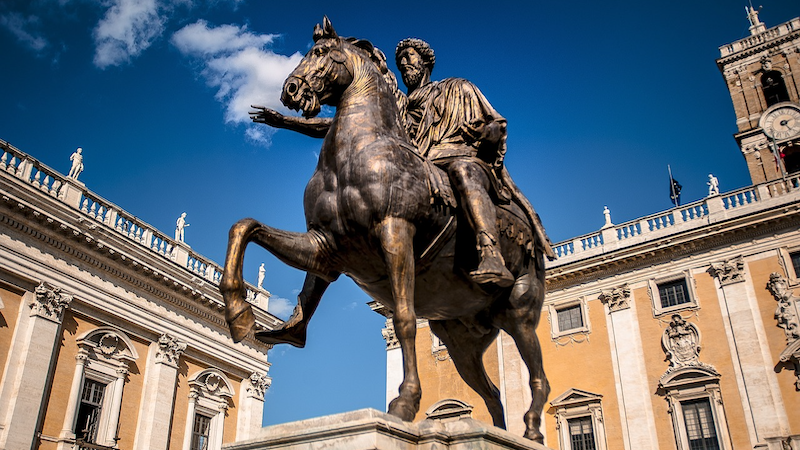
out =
column 241, row 323
column 402, row 410
column 535, row 436
column 283, row 336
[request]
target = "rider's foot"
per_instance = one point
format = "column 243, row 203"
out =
column 492, row 268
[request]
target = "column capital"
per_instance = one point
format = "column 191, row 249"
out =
column 729, row 271
column 169, row 350
column 49, row 302
column 259, row 383
column 617, row 298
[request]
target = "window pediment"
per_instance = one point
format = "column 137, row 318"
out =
column 575, row 397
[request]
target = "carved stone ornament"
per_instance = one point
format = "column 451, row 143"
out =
column 681, row 341
column 617, row 298
column 788, row 317
column 169, row 350
column 49, row 302
column 728, row 272
column 259, row 383
column 391, row 338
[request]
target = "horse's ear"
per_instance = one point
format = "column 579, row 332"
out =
column 364, row 44
column 327, row 28
column 317, row 32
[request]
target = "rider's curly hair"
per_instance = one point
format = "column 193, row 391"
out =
column 423, row 48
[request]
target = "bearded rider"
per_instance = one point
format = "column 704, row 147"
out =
column 452, row 124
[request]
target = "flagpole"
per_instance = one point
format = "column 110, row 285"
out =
column 672, row 186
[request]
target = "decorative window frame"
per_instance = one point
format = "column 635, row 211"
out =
column 786, row 261
column 693, row 383
column 553, row 309
column 104, row 355
column 655, row 297
column 210, row 392
column 576, row 403
column 448, row 410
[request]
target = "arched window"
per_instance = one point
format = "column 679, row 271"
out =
column 210, row 392
column 93, row 408
column 774, row 88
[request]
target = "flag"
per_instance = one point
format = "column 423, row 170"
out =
column 675, row 191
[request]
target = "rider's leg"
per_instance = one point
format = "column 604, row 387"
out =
column 472, row 184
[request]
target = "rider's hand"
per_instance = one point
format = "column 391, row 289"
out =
column 267, row 116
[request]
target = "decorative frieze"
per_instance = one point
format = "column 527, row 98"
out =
column 49, row 302
column 169, row 350
column 617, row 298
column 729, row 271
column 788, row 318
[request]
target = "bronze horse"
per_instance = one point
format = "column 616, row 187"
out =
column 371, row 215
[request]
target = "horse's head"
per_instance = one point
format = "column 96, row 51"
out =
column 325, row 71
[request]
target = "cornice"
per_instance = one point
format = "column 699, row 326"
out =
column 112, row 255
column 756, row 49
column 672, row 247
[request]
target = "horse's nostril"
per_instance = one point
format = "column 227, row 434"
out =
column 291, row 87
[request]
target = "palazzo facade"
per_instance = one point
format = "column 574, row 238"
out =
column 112, row 333
column 678, row 330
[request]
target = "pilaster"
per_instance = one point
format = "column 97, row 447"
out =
column 765, row 413
column 251, row 405
column 32, row 351
column 158, row 394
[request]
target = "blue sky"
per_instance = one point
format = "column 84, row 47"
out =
column 599, row 97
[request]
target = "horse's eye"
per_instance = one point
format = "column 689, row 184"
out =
column 319, row 51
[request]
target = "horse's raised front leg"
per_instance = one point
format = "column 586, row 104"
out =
column 396, row 237
column 304, row 251
column 293, row 330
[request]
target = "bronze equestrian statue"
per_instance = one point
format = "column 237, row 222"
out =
column 383, row 214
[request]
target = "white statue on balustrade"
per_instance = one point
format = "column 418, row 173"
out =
column 713, row 185
column 607, row 216
column 179, row 226
column 77, row 164
column 261, row 272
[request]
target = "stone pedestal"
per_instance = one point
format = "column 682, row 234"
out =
column 369, row 429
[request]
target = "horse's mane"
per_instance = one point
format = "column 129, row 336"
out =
column 379, row 59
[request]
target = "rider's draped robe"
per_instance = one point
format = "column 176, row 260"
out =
column 437, row 116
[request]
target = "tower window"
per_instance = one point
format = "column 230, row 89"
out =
column 774, row 88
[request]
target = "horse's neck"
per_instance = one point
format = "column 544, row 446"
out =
column 368, row 106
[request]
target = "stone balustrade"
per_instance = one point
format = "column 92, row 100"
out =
column 703, row 212
column 74, row 194
column 761, row 38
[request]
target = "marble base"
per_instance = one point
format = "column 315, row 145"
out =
column 369, row 429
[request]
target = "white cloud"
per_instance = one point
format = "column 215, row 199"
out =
column 23, row 28
column 128, row 28
column 236, row 63
column 281, row 307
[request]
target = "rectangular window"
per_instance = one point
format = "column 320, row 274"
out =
column 700, row 427
column 673, row 293
column 581, row 434
column 89, row 410
column 200, row 432
column 796, row 263
column 569, row 318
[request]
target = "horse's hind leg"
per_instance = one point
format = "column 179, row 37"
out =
column 520, row 322
column 293, row 330
column 467, row 350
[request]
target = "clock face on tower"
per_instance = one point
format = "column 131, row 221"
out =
column 782, row 122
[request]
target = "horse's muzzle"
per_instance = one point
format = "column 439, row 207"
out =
column 298, row 95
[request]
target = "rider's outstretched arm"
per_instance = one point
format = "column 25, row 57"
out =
column 316, row 127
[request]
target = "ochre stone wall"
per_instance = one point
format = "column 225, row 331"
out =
column 8, row 322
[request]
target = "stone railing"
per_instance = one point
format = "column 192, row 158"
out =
column 709, row 210
column 761, row 38
column 93, row 207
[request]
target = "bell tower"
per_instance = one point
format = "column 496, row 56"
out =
column 762, row 72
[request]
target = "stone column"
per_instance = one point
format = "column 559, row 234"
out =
column 394, row 363
column 251, row 405
column 74, row 392
column 158, row 394
column 26, row 379
column 765, row 414
column 633, row 389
